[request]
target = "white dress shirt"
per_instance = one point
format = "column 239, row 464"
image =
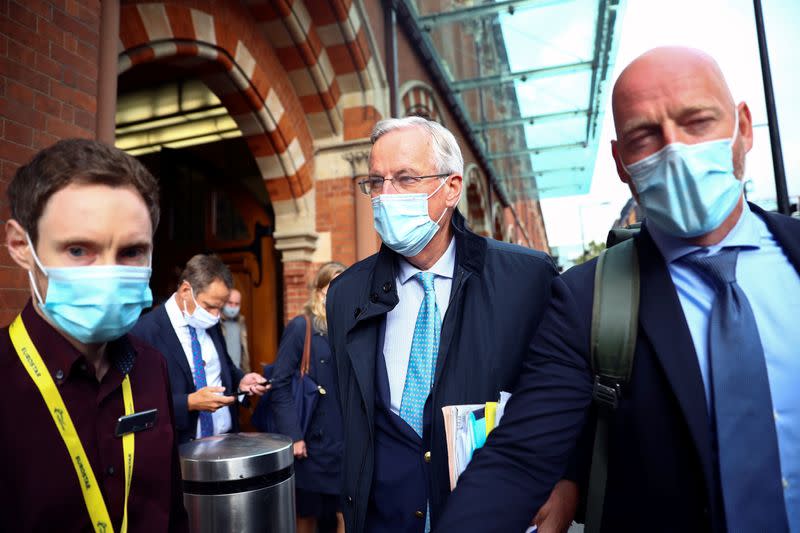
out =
column 221, row 417
column 401, row 320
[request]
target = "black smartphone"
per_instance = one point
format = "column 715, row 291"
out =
column 240, row 392
column 136, row 422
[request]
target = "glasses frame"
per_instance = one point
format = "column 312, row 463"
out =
column 364, row 184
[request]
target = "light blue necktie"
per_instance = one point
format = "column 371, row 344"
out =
column 749, row 463
column 422, row 361
column 206, row 419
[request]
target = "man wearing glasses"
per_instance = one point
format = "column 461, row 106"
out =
column 439, row 316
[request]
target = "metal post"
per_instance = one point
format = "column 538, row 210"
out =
column 105, row 120
column 390, row 31
column 781, row 192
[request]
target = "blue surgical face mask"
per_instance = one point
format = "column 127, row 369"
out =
column 688, row 190
column 200, row 318
column 403, row 223
column 93, row 304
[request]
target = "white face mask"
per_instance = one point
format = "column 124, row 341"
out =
column 200, row 319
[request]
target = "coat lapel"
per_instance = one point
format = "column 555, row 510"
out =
column 170, row 339
column 222, row 353
column 786, row 231
column 662, row 320
column 361, row 340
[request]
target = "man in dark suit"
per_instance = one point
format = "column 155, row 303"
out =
column 186, row 331
column 438, row 317
column 706, row 436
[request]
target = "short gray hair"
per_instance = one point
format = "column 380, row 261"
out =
column 446, row 153
column 202, row 270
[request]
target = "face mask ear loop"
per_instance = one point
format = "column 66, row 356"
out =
column 431, row 195
column 30, row 272
column 735, row 125
column 186, row 311
column 444, row 180
column 35, row 257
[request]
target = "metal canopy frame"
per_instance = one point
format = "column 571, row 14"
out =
column 508, row 157
column 481, row 10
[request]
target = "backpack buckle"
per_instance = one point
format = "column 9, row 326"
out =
column 606, row 392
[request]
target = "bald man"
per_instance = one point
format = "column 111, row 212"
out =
column 706, row 436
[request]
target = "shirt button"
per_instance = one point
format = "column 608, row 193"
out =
column 419, row 514
column 110, row 470
column 427, row 457
column 785, row 484
column 775, row 415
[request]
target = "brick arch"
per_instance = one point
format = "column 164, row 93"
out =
column 323, row 46
column 419, row 99
column 474, row 202
column 248, row 79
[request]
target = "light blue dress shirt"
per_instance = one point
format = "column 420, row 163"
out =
column 772, row 286
column 401, row 320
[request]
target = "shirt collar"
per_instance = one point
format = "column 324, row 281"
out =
column 174, row 312
column 444, row 267
column 745, row 234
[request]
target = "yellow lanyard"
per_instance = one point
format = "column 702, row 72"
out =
column 33, row 363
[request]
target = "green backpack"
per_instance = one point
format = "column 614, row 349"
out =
column 615, row 319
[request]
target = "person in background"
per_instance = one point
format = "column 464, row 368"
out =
column 186, row 331
column 235, row 331
column 82, row 220
column 318, row 452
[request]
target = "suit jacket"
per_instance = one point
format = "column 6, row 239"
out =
column 156, row 329
column 662, row 465
column 499, row 292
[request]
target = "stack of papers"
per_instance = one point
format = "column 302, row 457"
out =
column 466, row 428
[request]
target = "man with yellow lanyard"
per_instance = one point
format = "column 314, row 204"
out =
column 87, row 441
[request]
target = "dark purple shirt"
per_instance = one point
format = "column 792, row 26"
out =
column 39, row 489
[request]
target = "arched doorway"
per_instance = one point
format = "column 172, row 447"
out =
column 213, row 198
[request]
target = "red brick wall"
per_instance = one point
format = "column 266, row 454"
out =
column 336, row 214
column 48, row 73
column 297, row 275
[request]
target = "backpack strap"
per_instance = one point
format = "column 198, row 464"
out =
column 615, row 319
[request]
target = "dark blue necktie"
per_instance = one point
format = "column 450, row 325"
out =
column 749, row 463
column 206, row 419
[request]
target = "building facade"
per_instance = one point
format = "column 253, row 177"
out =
column 255, row 117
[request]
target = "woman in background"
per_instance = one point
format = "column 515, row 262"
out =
column 318, row 452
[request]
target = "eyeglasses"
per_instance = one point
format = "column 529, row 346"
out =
column 374, row 184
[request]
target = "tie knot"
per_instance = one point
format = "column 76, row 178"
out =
column 720, row 268
column 426, row 278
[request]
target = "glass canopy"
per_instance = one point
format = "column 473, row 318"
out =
column 530, row 77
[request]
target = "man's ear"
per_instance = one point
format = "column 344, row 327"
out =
column 623, row 175
column 745, row 126
column 454, row 189
column 18, row 247
column 621, row 172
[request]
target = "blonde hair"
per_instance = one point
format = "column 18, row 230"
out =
column 315, row 306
